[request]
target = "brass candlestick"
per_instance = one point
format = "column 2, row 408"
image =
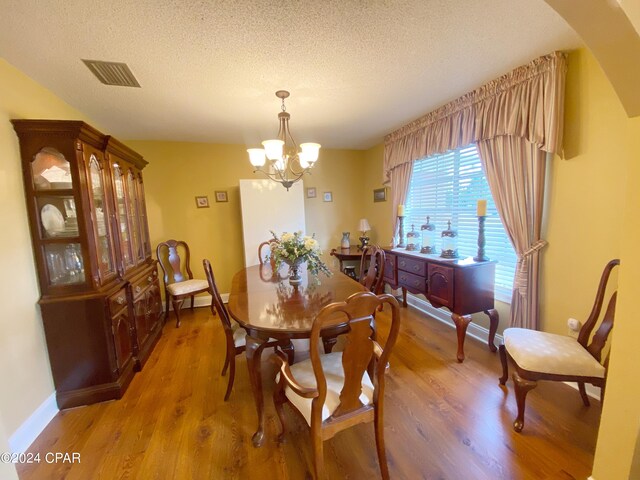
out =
column 401, row 231
column 481, row 257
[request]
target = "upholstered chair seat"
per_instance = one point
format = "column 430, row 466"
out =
column 550, row 353
column 187, row 286
column 334, row 374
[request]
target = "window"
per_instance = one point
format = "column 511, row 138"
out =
column 447, row 187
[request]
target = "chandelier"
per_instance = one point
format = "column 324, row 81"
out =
column 286, row 165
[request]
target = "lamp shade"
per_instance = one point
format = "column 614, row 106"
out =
column 256, row 156
column 273, row 149
column 309, row 151
column 364, row 225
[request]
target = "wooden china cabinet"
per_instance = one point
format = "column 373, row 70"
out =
column 100, row 293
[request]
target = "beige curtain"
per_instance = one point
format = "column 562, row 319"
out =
column 526, row 102
column 400, row 178
column 515, row 170
column 515, row 120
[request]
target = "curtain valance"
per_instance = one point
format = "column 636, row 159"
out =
column 526, row 102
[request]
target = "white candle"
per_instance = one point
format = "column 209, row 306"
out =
column 401, row 210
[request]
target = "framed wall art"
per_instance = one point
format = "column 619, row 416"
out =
column 221, row 196
column 202, row 201
column 380, row 195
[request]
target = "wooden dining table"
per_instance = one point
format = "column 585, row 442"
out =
column 267, row 306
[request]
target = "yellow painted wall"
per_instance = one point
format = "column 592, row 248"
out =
column 620, row 422
column 24, row 364
column 177, row 172
column 585, row 195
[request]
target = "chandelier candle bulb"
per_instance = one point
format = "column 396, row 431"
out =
column 482, row 208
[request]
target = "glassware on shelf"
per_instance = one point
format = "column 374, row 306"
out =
column 429, row 236
column 449, row 242
column 413, row 239
column 64, row 263
column 50, row 170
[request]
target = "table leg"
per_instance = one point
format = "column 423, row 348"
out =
column 462, row 322
column 253, row 351
column 493, row 327
column 329, row 343
column 404, row 297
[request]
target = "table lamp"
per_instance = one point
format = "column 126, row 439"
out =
column 364, row 228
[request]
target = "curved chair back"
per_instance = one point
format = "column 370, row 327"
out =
column 217, row 305
column 372, row 268
column 264, row 249
column 599, row 339
column 174, row 257
column 361, row 352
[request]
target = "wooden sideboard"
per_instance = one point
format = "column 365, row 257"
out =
column 463, row 286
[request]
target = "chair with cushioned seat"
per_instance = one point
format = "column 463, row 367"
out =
column 335, row 391
column 546, row 356
column 179, row 284
column 235, row 336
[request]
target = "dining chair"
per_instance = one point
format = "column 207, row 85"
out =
column 235, row 336
column 372, row 268
column 264, row 251
column 547, row 356
column 179, row 284
column 338, row 390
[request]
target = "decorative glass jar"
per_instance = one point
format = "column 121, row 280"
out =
column 428, row 237
column 413, row 239
column 449, row 242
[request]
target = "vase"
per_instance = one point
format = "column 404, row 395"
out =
column 294, row 275
column 345, row 240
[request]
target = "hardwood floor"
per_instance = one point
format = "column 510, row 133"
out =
column 443, row 420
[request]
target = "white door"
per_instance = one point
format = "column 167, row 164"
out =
column 267, row 205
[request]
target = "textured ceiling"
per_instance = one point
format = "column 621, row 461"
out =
column 356, row 70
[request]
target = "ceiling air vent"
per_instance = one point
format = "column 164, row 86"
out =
column 112, row 73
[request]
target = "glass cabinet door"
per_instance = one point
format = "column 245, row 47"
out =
column 121, row 213
column 100, row 218
column 56, row 218
column 142, row 215
column 134, row 220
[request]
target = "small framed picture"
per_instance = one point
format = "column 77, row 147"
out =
column 311, row 192
column 221, row 196
column 202, row 202
column 380, row 195
column 327, row 197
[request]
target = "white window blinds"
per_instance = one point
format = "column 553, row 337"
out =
column 447, row 187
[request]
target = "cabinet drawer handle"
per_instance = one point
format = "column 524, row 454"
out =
column 402, row 263
column 121, row 300
column 149, row 279
column 138, row 289
column 416, row 268
column 155, row 274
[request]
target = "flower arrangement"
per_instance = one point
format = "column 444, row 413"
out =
column 295, row 248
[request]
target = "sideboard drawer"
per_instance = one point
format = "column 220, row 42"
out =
column 412, row 282
column 118, row 301
column 417, row 267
